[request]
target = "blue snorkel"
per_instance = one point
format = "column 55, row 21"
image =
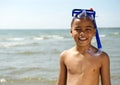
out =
column 79, row 13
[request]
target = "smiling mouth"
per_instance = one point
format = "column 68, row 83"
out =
column 82, row 38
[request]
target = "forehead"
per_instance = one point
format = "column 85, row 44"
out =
column 83, row 22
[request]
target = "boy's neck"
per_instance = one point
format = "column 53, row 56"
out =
column 82, row 49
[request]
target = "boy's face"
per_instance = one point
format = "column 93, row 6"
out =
column 83, row 31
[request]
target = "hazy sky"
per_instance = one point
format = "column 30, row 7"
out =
column 55, row 13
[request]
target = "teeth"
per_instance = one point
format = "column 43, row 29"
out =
column 82, row 38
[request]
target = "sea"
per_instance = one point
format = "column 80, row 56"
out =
column 31, row 56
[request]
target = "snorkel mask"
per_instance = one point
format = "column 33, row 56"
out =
column 80, row 13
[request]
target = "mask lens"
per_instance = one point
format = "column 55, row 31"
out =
column 80, row 13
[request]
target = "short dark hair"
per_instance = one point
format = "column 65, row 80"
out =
column 72, row 21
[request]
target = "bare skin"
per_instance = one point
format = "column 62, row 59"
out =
column 77, row 66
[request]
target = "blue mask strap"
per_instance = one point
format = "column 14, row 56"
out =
column 97, row 37
column 99, row 45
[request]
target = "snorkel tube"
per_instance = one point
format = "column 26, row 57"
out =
column 99, row 45
column 79, row 13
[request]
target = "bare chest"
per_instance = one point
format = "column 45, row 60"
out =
column 78, row 65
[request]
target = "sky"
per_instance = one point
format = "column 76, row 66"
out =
column 49, row 14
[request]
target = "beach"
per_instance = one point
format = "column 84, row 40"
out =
column 31, row 57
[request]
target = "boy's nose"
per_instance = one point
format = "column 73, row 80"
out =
column 82, row 33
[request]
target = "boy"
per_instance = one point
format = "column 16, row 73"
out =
column 80, row 65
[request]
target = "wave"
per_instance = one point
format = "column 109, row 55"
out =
column 29, row 74
column 15, row 44
column 30, row 52
column 3, row 80
column 24, row 38
column 12, row 38
column 44, row 37
column 27, row 79
column 102, row 35
column 27, row 41
column 23, row 52
column 110, row 34
column 116, row 33
column 16, row 39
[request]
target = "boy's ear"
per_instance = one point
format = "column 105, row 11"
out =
column 71, row 32
column 95, row 32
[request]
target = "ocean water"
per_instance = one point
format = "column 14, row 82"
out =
column 31, row 57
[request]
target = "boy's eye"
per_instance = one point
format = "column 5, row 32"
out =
column 88, row 30
column 85, row 30
column 77, row 29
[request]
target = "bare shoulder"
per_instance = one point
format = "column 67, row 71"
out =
column 104, row 57
column 65, row 54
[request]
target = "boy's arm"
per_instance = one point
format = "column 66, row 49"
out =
column 105, row 70
column 62, row 72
